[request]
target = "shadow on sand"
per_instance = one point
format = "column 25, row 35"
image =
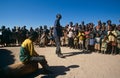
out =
column 57, row 70
column 6, row 57
column 75, row 53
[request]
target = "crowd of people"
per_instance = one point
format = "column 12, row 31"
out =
column 102, row 38
column 16, row 35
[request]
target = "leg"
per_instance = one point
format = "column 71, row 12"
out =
column 68, row 42
column 58, row 49
column 114, row 50
column 39, row 59
column 95, row 48
column 43, row 62
column 86, row 45
column 99, row 48
column 82, row 45
column 118, row 48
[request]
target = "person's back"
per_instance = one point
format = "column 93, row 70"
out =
column 26, row 50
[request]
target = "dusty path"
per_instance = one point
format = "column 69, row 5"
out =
column 77, row 64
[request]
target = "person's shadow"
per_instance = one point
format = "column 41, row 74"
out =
column 75, row 53
column 57, row 70
column 6, row 58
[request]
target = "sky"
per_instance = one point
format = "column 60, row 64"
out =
column 35, row 13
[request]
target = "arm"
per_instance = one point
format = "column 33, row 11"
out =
column 32, row 50
column 35, row 53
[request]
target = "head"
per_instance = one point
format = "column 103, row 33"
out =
column 82, row 22
column 33, row 36
column 71, row 23
column 86, row 29
column 118, row 27
column 103, row 24
column 105, row 38
column 40, row 27
column 45, row 26
column 99, row 22
column 114, row 26
column 76, row 24
column 109, row 22
column 59, row 16
column 3, row 27
column 97, row 35
column 24, row 27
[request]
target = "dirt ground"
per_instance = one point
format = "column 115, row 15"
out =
column 77, row 64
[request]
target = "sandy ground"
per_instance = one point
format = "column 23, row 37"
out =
column 77, row 64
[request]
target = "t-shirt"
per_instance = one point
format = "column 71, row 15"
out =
column 26, row 50
column 81, row 36
column 28, row 45
column 111, row 37
column 92, row 41
column 70, row 34
column 87, row 33
column 97, row 39
column 118, row 34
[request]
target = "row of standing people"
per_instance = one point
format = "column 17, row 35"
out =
column 104, row 39
column 100, row 38
column 16, row 35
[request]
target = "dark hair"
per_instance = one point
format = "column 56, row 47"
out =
column 33, row 35
column 109, row 21
column 59, row 16
column 71, row 23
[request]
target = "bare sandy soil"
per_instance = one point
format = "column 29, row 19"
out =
column 77, row 64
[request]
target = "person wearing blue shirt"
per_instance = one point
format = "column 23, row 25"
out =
column 57, row 33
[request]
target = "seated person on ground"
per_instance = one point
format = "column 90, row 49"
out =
column 29, row 55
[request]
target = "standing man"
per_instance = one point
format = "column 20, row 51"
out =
column 57, row 33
